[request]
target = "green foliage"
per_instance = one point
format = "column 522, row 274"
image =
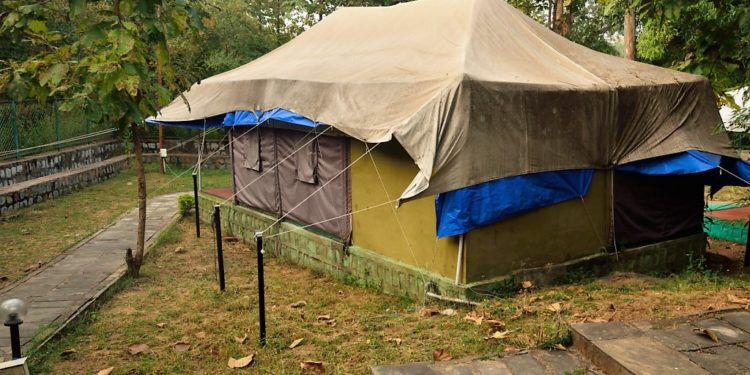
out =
column 592, row 23
column 185, row 203
column 706, row 37
column 102, row 59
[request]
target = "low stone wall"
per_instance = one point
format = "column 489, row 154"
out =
column 184, row 153
column 188, row 160
column 35, row 166
column 30, row 192
column 367, row 268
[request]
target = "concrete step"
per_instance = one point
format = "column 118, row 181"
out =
column 29, row 192
column 678, row 346
column 533, row 362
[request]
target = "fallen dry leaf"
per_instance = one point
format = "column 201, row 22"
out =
column 201, row 335
column 559, row 347
column 397, row 341
column 426, row 312
column 179, row 250
column 475, row 316
column 33, row 267
column 181, row 346
column 511, row 349
column 298, row 304
column 240, row 340
column 497, row 324
column 312, row 368
column 526, row 284
column 230, row 239
column 136, row 349
column 555, row 307
column 295, row 343
column 498, row 335
column 324, row 317
column 711, row 334
column 737, row 300
column 106, row 371
column 441, row 355
column 67, row 353
column 161, row 325
column 448, row 312
column 240, row 363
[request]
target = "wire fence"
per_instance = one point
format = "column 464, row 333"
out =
column 30, row 127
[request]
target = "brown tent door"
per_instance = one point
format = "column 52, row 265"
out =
column 308, row 186
column 650, row 209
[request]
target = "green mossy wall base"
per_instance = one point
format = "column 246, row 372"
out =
column 364, row 267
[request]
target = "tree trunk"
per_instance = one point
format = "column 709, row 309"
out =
column 630, row 34
column 135, row 260
column 558, row 19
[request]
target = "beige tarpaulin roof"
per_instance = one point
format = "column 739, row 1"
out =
column 473, row 90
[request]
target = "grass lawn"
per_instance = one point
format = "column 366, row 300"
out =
column 40, row 232
column 189, row 327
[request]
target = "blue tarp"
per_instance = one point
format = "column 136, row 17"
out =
column 688, row 162
column 462, row 210
column 258, row 117
column 718, row 171
column 238, row 118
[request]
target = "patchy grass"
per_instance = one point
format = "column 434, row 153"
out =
column 180, row 291
column 40, row 232
column 737, row 194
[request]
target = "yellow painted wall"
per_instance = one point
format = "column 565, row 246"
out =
column 378, row 230
column 550, row 235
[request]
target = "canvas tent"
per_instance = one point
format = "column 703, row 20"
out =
column 501, row 117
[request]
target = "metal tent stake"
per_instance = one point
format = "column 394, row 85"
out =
column 261, row 289
column 219, row 252
column 197, row 212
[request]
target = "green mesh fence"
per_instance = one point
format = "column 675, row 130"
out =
column 30, row 127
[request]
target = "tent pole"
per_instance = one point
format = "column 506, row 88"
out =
column 459, row 258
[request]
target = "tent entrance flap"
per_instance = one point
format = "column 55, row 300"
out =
column 460, row 211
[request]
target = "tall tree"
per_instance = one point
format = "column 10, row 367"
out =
column 706, row 37
column 629, row 33
column 101, row 61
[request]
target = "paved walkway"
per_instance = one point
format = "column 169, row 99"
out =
column 58, row 292
column 715, row 343
column 712, row 343
column 534, row 362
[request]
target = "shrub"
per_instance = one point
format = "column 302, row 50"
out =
column 185, row 203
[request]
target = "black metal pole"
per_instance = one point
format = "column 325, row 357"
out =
column 15, row 339
column 261, row 289
column 197, row 211
column 747, row 247
column 219, row 252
